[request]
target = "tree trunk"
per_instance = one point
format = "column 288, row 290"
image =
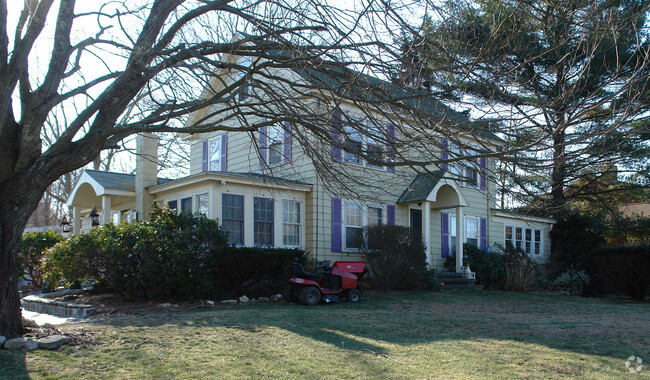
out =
column 21, row 200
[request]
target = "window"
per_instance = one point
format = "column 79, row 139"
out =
column 263, row 221
column 465, row 170
column 232, row 215
column 353, row 145
column 215, row 154
column 276, row 144
column 353, row 226
column 202, row 204
column 172, row 205
column 186, row 205
column 291, row 223
column 527, row 239
column 471, row 232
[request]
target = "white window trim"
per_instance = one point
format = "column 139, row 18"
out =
column 523, row 238
column 300, row 223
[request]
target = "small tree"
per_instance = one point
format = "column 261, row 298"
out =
column 30, row 254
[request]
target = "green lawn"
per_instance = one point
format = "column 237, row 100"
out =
column 453, row 334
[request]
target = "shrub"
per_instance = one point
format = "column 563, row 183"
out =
column 572, row 282
column 395, row 259
column 487, row 264
column 520, row 269
column 575, row 237
column 625, row 269
column 30, row 254
column 181, row 256
column 171, row 256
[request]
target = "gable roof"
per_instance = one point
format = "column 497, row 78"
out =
column 421, row 186
column 117, row 181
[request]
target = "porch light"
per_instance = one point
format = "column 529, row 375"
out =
column 94, row 217
column 65, row 225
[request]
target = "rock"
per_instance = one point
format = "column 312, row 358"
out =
column 21, row 344
column 244, row 299
column 53, row 342
column 165, row 305
column 229, row 302
column 2, row 340
column 48, row 326
column 209, row 303
column 29, row 323
column 264, row 299
column 276, row 297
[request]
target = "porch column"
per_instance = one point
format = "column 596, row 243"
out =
column 76, row 220
column 426, row 227
column 459, row 238
column 106, row 209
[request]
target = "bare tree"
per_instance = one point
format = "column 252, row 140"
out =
column 122, row 69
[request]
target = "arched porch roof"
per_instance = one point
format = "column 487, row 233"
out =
column 435, row 187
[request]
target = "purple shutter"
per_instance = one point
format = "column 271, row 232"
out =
column 224, row 152
column 206, row 152
column 483, row 179
column 337, row 233
column 390, row 217
column 262, row 147
column 445, row 234
column 483, row 233
column 444, row 155
column 390, row 149
column 337, row 154
column 287, row 142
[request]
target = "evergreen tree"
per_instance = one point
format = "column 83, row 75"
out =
column 565, row 78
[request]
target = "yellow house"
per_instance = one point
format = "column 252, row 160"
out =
column 266, row 188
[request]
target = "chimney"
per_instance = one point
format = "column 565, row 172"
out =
column 146, row 172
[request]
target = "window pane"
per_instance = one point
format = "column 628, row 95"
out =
column 353, row 215
column 172, row 205
column 452, row 226
column 215, row 154
column 263, row 221
column 529, row 234
column 471, row 228
column 538, row 235
column 374, row 216
column 353, row 145
column 291, row 223
column 202, row 204
column 232, row 213
column 186, row 205
column 353, row 237
column 275, row 153
column 508, row 233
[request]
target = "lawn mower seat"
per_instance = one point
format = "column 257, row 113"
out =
column 299, row 271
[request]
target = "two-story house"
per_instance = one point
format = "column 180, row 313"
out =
column 284, row 185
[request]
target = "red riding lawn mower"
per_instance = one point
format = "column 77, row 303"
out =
column 327, row 284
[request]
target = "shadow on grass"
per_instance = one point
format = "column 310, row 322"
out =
column 610, row 328
column 13, row 365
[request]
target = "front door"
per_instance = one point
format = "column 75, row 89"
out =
column 416, row 223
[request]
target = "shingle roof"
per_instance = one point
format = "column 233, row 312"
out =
column 117, row 181
column 349, row 83
column 421, row 187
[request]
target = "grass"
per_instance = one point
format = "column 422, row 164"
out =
column 394, row 336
